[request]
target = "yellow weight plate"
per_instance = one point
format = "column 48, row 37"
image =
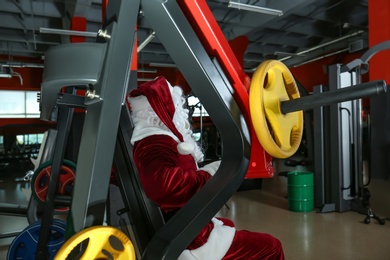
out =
column 99, row 244
column 279, row 134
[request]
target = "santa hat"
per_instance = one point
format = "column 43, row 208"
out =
column 158, row 94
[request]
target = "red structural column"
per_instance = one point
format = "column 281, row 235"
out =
column 379, row 31
column 78, row 24
column 134, row 61
column 104, row 8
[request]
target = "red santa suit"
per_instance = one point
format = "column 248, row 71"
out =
column 166, row 157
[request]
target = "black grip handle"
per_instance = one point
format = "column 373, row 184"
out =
column 335, row 96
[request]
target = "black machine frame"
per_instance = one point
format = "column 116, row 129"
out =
column 105, row 68
column 338, row 143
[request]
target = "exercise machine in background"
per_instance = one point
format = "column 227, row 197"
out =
column 341, row 155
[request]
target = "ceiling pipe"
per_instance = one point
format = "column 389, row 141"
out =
column 13, row 64
column 288, row 54
column 254, row 8
column 68, row 32
column 321, row 57
column 16, row 74
column 324, row 44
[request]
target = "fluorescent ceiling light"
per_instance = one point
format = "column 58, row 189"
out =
column 67, row 32
column 165, row 65
column 3, row 75
column 254, row 8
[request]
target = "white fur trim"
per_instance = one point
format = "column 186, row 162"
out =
column 142, row 130
column 140, row 103
column 147, row 123
column 211, row 167
column 217, row 245
column 185, row 148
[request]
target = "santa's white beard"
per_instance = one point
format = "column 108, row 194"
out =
column 148, row 123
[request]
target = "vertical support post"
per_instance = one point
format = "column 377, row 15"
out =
column 320, row 153
column 211, row 85
column 342, row 141
column 357, row 109
column 64, row 122
column 379, row 31
column 102, row 119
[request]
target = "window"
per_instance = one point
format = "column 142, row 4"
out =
column 18, row 104
column 194, row 103
column 29, row 139
column 28, row 144
column 2, row 150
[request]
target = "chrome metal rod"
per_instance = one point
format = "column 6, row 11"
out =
column 68, row 32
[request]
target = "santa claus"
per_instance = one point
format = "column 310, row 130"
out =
column 166, row 156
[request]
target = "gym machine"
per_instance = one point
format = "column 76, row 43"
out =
column 338, row 144
column 219, row 82
column 31, row 211
column 99, row 132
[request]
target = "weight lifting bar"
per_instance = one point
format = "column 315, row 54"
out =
column 336, row 96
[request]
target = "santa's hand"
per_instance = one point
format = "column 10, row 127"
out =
column 211, row 167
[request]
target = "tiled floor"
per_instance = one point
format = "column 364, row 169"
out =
column 304, row 235
column 313, row 235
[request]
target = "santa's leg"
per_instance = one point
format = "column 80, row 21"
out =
column 253, row 246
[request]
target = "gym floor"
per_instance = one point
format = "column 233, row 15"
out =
column 308, row 235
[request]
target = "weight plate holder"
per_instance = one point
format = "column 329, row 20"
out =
column 104, row 242
column 279, row 134
column 41, row 178
column 24, row 246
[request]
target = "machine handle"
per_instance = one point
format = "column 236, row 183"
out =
column 336, row 96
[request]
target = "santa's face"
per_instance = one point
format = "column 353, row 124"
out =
column 144, row 117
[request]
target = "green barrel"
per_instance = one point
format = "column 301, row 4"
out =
column 300, row 191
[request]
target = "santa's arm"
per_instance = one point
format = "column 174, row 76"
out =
column 211, row 168
column 168, row 178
